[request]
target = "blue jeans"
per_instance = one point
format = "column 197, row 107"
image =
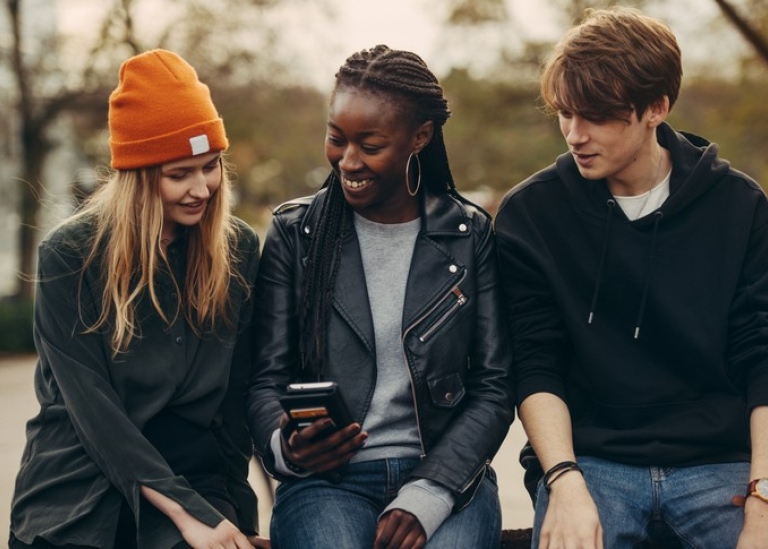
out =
column 313, row 512
column 685, row 507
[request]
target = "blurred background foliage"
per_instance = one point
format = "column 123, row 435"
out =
column 276, row 120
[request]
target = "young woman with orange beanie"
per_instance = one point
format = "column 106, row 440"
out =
column 141, row 298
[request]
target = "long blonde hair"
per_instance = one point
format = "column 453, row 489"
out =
column 128, row 216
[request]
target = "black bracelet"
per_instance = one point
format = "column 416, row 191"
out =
column 559, row 470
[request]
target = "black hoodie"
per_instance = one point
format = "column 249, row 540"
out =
column 676, row 353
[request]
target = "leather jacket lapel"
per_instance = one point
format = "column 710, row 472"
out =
column 432, row 275
column 434, row 271
column 350, row 297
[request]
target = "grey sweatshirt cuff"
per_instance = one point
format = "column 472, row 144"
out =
column 431, row 503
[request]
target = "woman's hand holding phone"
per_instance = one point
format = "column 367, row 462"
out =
column 321, row 454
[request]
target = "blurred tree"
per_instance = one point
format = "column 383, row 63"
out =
column 729, row 113
column 475, row 34
column 496, row 137
column 753, row 29
column 476, row 12
column 228, row 41
column 573, row 10
column 37, row 111
column 277, row 144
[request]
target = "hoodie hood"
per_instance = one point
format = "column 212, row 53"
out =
column 695, row 170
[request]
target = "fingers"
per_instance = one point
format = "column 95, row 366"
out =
column 259, row 542
column 225, row 534
column 242, row 542
column 323, row 454
column 572, row 520
column 399, row 529
column 313, row 434
column 298, row 440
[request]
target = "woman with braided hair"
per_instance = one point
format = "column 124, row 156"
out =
column 386, row 283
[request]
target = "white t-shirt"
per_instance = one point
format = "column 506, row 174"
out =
column 635, row 207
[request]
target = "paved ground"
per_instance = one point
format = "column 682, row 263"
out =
column 17, row 404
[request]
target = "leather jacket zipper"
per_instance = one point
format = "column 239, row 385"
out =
column 461, row 299
column 413, row 392
column 407, row 362
column 474, row 477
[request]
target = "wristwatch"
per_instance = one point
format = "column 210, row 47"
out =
column 758, row 488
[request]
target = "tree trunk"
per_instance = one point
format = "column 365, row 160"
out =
column 31, row 147
column 35, row 148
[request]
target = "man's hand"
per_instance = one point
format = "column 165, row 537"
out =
column 755, row 530
column 572, row 521
column 399, row 529
column 324, row 454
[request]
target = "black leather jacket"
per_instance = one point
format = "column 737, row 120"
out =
column 454, row 336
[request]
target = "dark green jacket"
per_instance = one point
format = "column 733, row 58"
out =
column 85, row 451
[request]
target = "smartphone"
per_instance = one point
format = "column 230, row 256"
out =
column 307, row 402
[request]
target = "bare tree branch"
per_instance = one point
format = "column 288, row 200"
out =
column 747, row 30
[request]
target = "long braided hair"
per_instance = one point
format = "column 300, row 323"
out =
column 406, row 82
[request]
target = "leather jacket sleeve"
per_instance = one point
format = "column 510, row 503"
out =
column 275, row 332
column 458, row 456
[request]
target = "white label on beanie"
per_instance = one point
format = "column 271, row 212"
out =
column 199, row 144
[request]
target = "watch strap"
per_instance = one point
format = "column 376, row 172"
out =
column 741, row 501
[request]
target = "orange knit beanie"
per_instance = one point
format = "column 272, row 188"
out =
column 161, row 112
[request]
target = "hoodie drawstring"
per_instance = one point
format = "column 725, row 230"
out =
column 611, row 203
column 646, row 285
column 658, row 215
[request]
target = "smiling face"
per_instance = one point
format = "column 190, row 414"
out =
column 186, row 186
column 368, row 142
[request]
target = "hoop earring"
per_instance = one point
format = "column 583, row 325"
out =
column 408, row 175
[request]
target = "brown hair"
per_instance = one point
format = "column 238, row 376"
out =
column 617, row 61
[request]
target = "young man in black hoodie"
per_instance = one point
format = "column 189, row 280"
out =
column 636, row 277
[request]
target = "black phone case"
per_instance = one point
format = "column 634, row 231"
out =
column 307, row 402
